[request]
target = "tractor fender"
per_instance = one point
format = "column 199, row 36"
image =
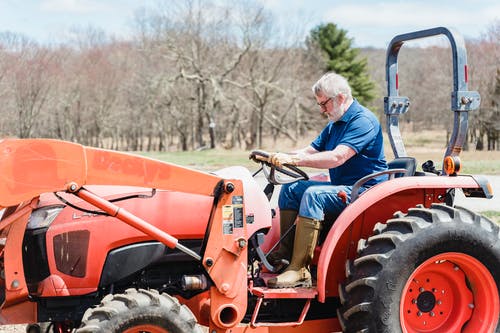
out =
column 370, row 198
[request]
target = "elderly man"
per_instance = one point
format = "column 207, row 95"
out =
column 351, row 147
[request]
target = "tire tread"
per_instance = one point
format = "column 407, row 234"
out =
column 364, row 282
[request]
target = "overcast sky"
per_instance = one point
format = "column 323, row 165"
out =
column 368, row 22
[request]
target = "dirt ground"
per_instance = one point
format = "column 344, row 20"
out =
column 13, row 328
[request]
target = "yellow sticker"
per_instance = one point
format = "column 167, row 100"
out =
column 227, row 213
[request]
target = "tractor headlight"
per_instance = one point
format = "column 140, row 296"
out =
column 43, row 217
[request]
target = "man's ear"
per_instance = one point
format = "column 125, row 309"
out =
column 341, row 98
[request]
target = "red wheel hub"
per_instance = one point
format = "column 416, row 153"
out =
column 146, row 329
column 451, row 292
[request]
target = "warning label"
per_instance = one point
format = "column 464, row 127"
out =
column 238, row 200
column 238, row 216
column 227, row 219
column 227, row 228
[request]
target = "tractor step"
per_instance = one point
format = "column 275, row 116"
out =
column 292, row 293
column 264, row 292
column 288, row 293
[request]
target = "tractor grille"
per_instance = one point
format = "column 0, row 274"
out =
column 36, row 267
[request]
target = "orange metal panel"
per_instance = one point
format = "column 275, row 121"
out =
column 51, row 286
column 225, row 259
column 125, row 216
column 111, row 167
column 20, row 313
column 199, row 305
column 169, row 211
column 16, row 290
column 29, row 167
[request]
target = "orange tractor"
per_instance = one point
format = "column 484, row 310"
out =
column 102, row 241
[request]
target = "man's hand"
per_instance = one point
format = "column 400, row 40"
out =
column 259, row 156
column 278, row 159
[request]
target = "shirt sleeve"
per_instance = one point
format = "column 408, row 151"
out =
column 359, row 134
column 320, row 142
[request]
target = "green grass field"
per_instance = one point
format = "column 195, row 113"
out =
column 423, row 145
column 487, row 163
column 493, row 215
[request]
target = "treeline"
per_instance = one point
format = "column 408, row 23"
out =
column 201, row 75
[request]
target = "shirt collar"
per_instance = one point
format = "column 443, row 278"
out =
column 349, row 112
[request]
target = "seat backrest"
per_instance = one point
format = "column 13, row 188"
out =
column 406, row 167
column 408, row 163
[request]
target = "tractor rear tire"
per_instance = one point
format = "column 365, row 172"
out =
column 139, row 311
column 432, row 270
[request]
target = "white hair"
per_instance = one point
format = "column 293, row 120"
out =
column 331, row 84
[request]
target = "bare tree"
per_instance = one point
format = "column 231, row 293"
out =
column 4, row 58
column 207, row 43
column 30, row 85
column 200, row 74
column 3, row 63
column 276, row 93
column 485, row 68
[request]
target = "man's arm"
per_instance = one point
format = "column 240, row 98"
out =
column 305, row 151
column 310, row 157
column 325, row 159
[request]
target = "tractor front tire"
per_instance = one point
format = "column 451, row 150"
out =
column 432, row 270
column 139, row 311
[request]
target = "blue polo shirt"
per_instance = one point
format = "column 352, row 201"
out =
column 359, row 129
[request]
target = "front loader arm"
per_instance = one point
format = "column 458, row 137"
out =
column 29, row 167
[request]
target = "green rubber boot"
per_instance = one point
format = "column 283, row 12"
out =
column 297, row 274
column 280, row 258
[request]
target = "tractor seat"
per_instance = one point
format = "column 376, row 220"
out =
column 399, row 167
column 408, row 163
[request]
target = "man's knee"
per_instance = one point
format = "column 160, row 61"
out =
column 319, row 195
column 285, row 193
column 324, row 200
column 290, row 192
column 288, row 198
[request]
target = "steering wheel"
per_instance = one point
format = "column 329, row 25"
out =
column 272, row 172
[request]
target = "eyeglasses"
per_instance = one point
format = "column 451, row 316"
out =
column 323, row 104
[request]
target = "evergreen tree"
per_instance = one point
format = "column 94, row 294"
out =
column 343, row 59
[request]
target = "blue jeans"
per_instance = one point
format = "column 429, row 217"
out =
column 314, row 199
